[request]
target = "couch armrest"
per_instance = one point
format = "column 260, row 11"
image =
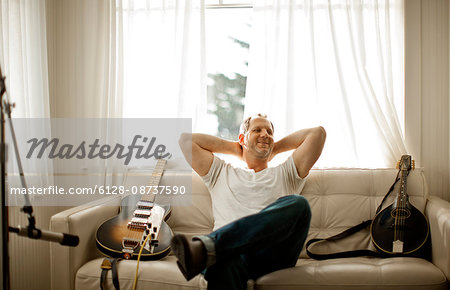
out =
column 82, row 221
column 438, row 212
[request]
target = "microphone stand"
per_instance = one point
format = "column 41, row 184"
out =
column 6, row 107
column 30, row 231
column 4, row 214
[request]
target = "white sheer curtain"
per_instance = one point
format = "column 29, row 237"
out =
column 23, row 56
column 334, row 63
column 86, row 76
column 85, row 59
column 23, row 59
column 164, row 59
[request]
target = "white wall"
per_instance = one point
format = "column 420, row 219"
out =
column 427, row 90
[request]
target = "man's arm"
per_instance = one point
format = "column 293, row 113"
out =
column 308, row 145
column 198, row 150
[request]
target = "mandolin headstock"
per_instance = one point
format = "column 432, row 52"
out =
column 406, row 163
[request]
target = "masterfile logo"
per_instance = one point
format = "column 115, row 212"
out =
column 95, row 150
column 82, row 143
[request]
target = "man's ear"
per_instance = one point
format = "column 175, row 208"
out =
column 241, row 139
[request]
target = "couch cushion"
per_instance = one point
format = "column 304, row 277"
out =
column 366, row 273
column 361, row 273
column 161, row 275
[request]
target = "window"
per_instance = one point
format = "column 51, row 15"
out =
column 332, row 63
column 227, row 44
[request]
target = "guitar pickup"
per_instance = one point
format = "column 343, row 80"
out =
column 143, row 204
column 129, row 243
column 140, row 213
column 138, row 224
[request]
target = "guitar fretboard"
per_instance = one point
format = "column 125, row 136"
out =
column 154, row 180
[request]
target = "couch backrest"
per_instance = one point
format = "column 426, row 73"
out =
column 191, row 211
column 196, row 216
column 339, row 199
column 343, row 198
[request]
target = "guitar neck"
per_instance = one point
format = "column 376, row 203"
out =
column 155, row 179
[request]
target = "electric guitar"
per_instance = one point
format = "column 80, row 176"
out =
column 123, row 236
column 401, row 229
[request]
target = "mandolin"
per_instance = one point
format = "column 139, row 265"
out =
column 123, row 236
column 401, row 229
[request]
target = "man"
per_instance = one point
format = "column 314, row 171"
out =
column 261, row 222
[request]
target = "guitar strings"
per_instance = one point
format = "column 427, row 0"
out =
column 396, row 212
column 405, row 210
column 399, row 208
column 401, row 211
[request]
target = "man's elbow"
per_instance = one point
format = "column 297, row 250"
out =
column 185, row 140
column 320, row 136
column 321, row 132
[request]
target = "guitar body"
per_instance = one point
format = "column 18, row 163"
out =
column 408, row 223
column 110, row 234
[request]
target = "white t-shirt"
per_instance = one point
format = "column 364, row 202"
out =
column 238, row 192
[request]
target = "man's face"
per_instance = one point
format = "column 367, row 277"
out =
column 258, row 140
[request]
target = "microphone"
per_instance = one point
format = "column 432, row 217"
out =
column 63, row 239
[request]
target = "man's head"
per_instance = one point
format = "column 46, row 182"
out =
column 256, row 137
column 246, row 124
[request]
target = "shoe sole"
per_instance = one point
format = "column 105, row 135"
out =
column 180, row 247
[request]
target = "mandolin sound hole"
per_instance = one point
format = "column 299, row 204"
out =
column 400, row 213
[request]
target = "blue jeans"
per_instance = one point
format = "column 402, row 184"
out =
column 258, row 244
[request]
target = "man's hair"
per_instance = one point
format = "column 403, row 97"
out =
column 246, row 124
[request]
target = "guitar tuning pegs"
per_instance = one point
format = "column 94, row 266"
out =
column 413, row 164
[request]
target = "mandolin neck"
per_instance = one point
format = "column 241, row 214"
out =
column 402, row 196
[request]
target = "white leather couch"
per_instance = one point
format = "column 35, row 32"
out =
column 339, row 199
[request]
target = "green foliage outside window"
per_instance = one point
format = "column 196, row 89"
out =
column 227, row 93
